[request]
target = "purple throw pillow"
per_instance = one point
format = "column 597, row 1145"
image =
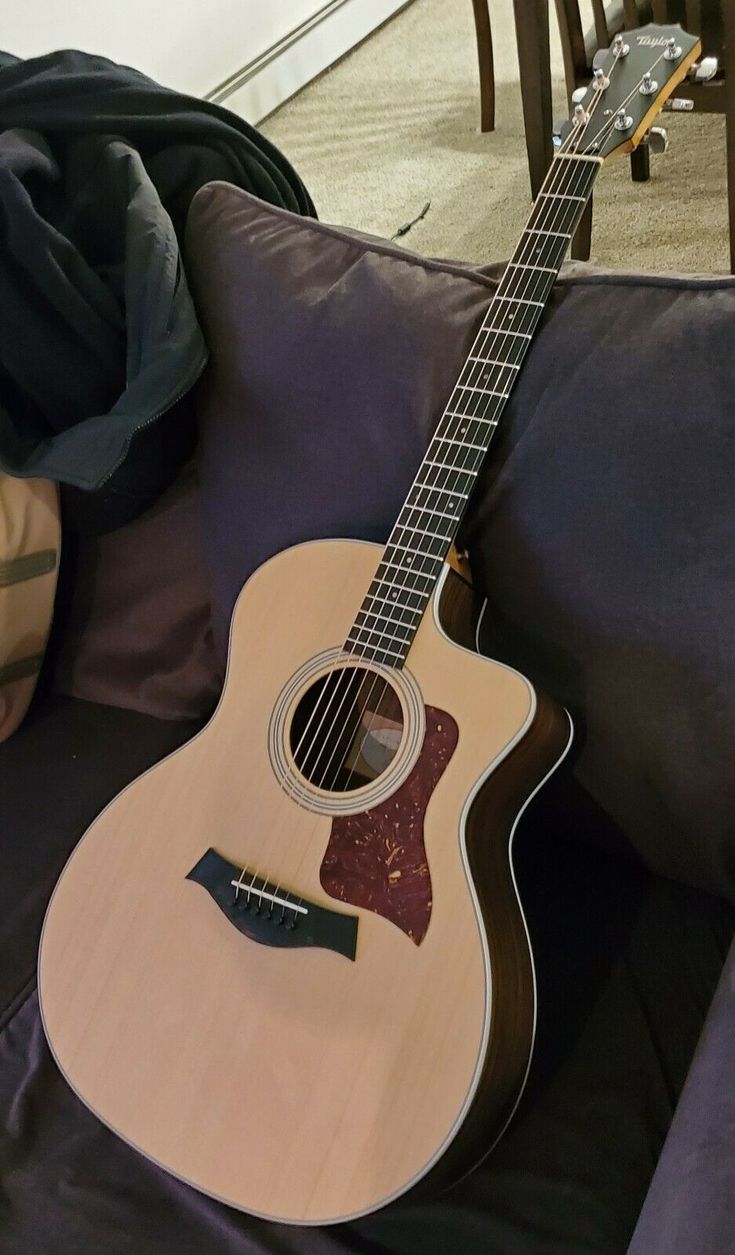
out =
column 602, row 526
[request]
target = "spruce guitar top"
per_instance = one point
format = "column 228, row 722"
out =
column 289, row 963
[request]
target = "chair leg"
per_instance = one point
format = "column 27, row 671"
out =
column 730, row 126
column 728, row 17
column 640, row 163
column 486, row 64
column 532, row 35
column 582, row 238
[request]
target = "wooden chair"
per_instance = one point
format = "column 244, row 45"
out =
column 486, row 64
column 714, row 20
column 532, row 34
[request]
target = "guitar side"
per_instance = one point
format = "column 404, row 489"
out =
column 301, row 1084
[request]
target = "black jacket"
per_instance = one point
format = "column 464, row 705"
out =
column 98, row 334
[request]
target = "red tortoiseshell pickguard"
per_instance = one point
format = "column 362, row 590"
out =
column 377, row 859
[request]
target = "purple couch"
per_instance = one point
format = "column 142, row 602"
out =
column 625, row 1138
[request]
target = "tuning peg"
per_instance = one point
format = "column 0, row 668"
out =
column 648, row 85
column 658, row 140
column 704, row 70
column 578, row 95
column 678, row 104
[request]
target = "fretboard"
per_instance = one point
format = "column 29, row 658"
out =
column 427, row 524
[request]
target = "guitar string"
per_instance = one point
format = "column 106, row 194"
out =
column 496, row 344
column 499, row 336
column 359, row 674
column 556, row 180
column 525, row 286
column 462, row 429
column 459, row 387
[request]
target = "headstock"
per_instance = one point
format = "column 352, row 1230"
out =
column 633, row 79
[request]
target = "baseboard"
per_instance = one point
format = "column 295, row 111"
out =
column 260, row 86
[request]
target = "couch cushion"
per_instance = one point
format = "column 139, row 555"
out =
column 134, row 624
column 602, row 527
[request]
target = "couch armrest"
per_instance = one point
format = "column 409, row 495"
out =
column 690, row 1206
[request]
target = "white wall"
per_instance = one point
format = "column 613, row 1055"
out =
column 193, row 45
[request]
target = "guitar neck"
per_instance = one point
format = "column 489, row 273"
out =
column 427, row 524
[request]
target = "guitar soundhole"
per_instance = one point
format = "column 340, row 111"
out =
column 346, row 729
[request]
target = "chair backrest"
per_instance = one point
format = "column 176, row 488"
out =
column 610, row 16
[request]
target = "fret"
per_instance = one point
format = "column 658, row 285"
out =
column 406, row 588
column 444, row 467
column 406, row 527
column 383, row 616
column 485, row 392
column 524, row 265
column 514, row 317
column 407, row 569
column 470, row 418
column 489, row 361
column 577, row 157
column 505, row 332
column 451, row 492
column 465, row 421
column 557, row 221
column 394, row 653
column 427, row 509
column 561, row 196
column 537, row 288
column 414, row 554
column 544, row 249
column 519, row 300
column 407, row 591
column 465, row 443
column 398, row 566
column 389, row 636
column 393, row 605
column 479, row 445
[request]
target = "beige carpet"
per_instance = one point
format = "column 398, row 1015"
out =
column 396, row 124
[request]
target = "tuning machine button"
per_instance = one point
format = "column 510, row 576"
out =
column 678, row 104
column 578, row 95
column 658, row 140
column 704, row 70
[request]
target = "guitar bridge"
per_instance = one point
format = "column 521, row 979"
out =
column 267, row 913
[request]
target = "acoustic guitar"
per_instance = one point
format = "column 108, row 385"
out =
column 289, row 963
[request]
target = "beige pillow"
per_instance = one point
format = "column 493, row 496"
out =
column 30, row 537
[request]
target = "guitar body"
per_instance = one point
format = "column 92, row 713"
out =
column 310, row 1083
